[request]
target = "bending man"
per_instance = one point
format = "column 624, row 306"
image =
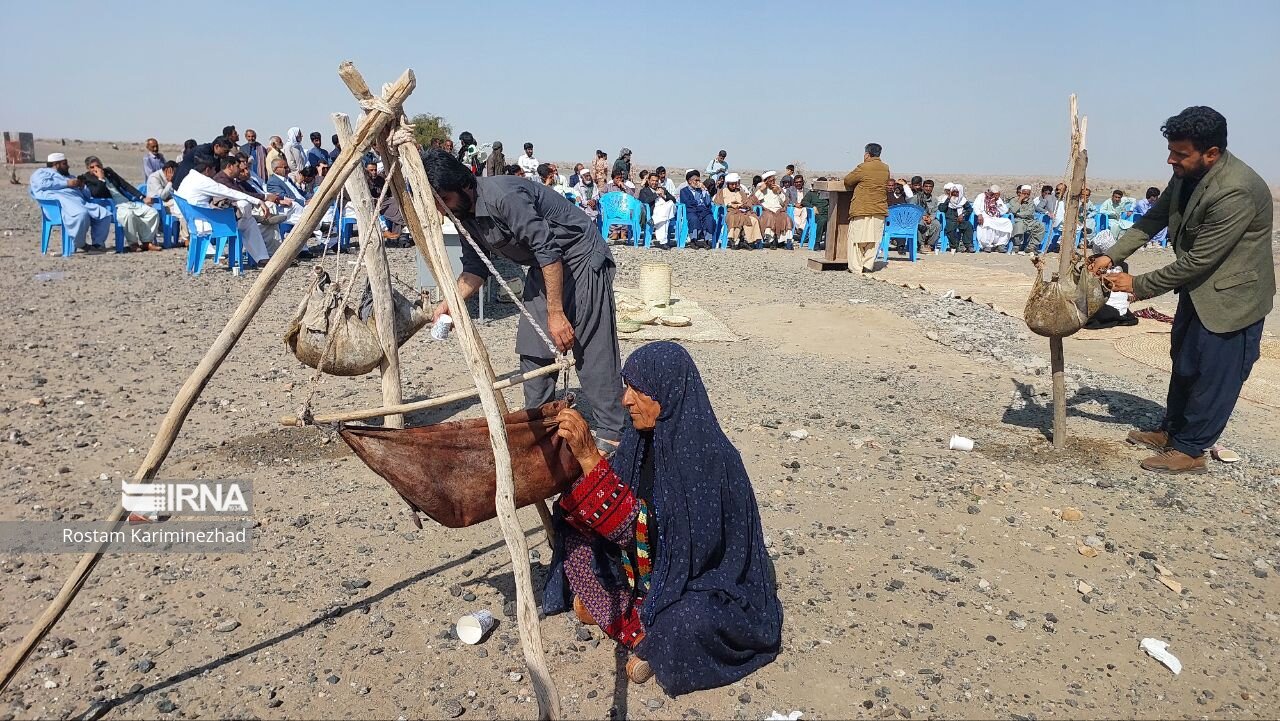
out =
column 569, row 289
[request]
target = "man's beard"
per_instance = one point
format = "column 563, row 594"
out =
column 64, row 172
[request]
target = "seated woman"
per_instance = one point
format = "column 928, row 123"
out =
column 661, row 546
column 955, row 210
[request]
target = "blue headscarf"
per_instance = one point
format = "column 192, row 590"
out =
column 712, row 615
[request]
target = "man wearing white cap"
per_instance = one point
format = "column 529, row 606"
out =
column 79, row 216
column 738, row 213
column 993, row 229
column 1025, row 223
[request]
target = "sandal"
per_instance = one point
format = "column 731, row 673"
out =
column 638, row 670
column 584, row 616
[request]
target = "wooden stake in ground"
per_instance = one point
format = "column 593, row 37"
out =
column 348, row 160
column 428, row 236
column 375, row 264
column 1076, row 163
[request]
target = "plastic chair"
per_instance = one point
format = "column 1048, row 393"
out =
column 1051, row 234
column 944, row 243
column 722, row 231
column 682, row 225
column 51, row 216
column 222, row 226
column 903, row 222
column 973, row 223
column 168, row 223
column 618, row 208
column 110, row 205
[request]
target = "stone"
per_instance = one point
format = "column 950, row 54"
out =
column 227, row 626
column 352, row 584
column 451, row 708
column 1087, row 552
column 1171, row 584
column 1084, row 588
column 1072, row 514
column 164, row 705
column 1094, row 542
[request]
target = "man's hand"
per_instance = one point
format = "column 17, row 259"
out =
column 146, row 200
column 1118, row 282
column 285, row 202
column 272, row 198
column 1099, row 264
column 575, row 431
column 74, row 182
column 442, row 309
column 561, row 331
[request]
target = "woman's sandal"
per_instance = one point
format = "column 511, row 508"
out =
column 638, row 670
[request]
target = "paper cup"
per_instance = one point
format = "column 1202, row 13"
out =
column 473, row 627
column 960, row 443
column 440, row 330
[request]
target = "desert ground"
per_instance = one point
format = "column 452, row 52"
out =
column 917, row 581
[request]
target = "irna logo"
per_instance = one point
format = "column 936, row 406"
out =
column 191, row 497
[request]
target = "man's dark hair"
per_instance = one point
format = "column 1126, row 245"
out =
column 512, row 169
column 544, row 170
column 189, row 144
column 873, row 149
column 724, row 153
column 91, row 160
column 617, row 173
column 692, row 174
column 169, row 165
column 791, row 167
column 203, row 161
column 1153, row 192
column 1046, row 188
column 929, row 181
column 644, row 174
column 229, row 161
column 221, row 142
column 823, row 178
column 1117, row 192
column 447, row 173
column 315, row 135
column 334, row 139
column 796, row 177
column 309, row 172
column 916, row 179
column 528, row 146
column 661, row 169
column 227, row 130
column 1201, row 124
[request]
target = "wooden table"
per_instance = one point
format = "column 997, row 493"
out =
column 836, row 256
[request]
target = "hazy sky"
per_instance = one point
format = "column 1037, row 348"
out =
column 974, row 87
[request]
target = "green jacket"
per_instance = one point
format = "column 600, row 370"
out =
column 1221, row 242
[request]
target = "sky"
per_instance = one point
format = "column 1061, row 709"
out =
column 974, row 87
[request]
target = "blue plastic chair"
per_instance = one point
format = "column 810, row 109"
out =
column 903, row 222
column 722, row 231
column 679, row 227
column 110, row 205
column 810, row 236
column 618, row 208
column 51, row 217
column 1051, row 234
column 944, row 243
column 222, row 227
column 973, row 223
column 168, row 223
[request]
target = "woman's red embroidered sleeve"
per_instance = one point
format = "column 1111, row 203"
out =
column 600, row 503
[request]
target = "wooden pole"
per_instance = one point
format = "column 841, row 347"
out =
column 446, row 399
column 375, row 264
column 266, row 281
column 1076, row 162
column 428, row 236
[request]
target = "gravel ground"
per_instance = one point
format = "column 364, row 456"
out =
column 917, row 582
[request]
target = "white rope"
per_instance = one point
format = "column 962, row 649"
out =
column 377, row 104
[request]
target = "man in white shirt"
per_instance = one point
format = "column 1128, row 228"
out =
column 200, row 190
column 160, row 186
column 528, row 163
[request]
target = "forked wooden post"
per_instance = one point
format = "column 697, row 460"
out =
column 375, row 264
column 1076, row 163
column 370, row 128
column 428, row 236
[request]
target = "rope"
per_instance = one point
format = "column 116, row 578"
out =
column 377, row 104
column 305, row 412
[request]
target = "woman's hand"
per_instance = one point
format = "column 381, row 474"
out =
column 575, row 431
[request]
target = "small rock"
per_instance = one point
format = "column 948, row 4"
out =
column 798, row 434
column 973, row 510
column 1087, row 552
column 145, row 665
column 227, row 626
column 515, row 676
column 1084, row 588
column 164, row 705
column 451, row 708
column 653, row 704
column 1171, row 584
column 354, row 583
column 468, row 596
column 1094, row 542
column 1072, row 514
column 984, row 584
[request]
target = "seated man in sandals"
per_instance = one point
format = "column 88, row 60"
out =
column 661, row 546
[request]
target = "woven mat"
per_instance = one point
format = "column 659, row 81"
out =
column 1263, row 386
column 703, row 328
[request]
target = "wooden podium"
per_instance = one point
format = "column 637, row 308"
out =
column 836, row 256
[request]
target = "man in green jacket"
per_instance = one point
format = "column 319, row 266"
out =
column 1218, row 211
column 867, row 208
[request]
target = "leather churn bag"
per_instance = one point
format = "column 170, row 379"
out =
column 447, row 470
column 355, row 349
column 1059, row 307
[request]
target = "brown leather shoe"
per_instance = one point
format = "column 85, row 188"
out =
column 1155, row 440
column 638, row 670
column 1175, row 462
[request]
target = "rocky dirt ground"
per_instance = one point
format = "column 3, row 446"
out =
column 917, row 582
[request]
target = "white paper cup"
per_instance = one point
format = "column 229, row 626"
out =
column 473, row 627
column 960, row 443
column 440, row 330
